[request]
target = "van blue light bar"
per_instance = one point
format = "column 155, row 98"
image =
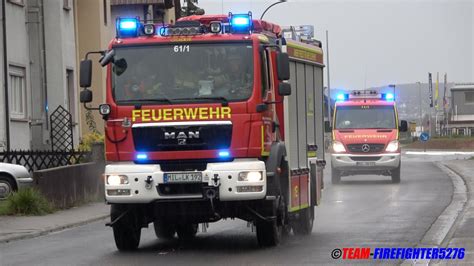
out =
column 127, row 27
column 342, row 97
column 388, row 96
column 241, row 23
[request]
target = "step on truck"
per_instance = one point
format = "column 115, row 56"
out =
column 366, row 135
column 214, row 117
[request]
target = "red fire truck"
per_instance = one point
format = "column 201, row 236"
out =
column 213, row 117
column 366, row 135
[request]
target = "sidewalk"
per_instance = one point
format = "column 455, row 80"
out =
column 462, row 236
column 20, row 227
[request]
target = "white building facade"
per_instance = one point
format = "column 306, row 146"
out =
column 38, row 70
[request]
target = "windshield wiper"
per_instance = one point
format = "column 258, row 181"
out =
column 160, row 100
column 220, row 99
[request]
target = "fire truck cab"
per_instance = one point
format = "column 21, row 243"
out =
column 366, row 135
column 214, row 117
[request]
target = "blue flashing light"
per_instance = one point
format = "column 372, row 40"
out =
column 342, row 97
column 128, row 24
column 241, row 21
column 224, row 154
column 142, row 156
column 389, row 97
column 128, row 27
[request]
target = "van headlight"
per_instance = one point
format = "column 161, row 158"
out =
column 116, row 180
column 253, row 176
column 338, row 146
column 392, row 146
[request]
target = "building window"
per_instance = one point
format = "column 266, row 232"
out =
column 67, row 5
column 17, row 93
column 17, row 2
column 469, row 95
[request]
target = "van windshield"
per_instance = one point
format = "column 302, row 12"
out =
column 365, row 116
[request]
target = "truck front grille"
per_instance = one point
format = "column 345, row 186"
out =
column 359, row 148
column 365, row 158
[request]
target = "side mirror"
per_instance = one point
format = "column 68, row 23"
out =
column 403, row 126
column 107, row 58
column 283, row 66
column 86, row 96
column 327, row 127
column 85, row 78
column 284, row 89
column 262, row 108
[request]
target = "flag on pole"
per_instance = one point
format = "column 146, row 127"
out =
column 430, row 89
column 445, row 100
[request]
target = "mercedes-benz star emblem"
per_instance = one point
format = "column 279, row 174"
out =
column 366, row 148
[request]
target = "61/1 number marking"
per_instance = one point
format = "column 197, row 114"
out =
column 181, row 48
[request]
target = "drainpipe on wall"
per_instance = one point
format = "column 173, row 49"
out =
column 5, row 74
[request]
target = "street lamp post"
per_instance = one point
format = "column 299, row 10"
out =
column 270, row 6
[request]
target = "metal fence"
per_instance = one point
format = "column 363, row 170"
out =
column 39, row 160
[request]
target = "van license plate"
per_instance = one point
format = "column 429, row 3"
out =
column 365, row 163
column 193, row 177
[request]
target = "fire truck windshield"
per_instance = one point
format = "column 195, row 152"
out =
column 365, row 117
column 183, row 73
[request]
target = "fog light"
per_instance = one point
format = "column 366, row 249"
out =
column 116, row 180
column 118, row 192
column 253, row 176
column 250, row 189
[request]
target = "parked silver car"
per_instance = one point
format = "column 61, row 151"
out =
column 13, row 177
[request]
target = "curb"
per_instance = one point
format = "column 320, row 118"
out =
column 443, row 225
column 51, row 230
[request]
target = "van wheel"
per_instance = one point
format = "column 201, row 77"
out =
column 127, row 231
column 396, row 175
column 164, row 230
column 187, row 231
column 335, row 176
column 304, row 224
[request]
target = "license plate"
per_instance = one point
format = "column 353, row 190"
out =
column 365, row 163
column 193, row 177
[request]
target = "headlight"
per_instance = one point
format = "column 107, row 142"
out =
column 338, row 147
column 115, row 180
column 392, row 146
column 250, row 176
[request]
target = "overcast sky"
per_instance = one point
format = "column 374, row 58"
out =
column 373, row 43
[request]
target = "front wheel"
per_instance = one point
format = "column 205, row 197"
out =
column 6, row 187
column 268, row 233
column 127, row 231
column 396, row 175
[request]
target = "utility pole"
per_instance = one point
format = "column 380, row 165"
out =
column 420, row 107
column 329, row 79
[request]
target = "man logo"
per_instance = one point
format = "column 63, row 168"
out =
column 366, row 148
column 182, row 137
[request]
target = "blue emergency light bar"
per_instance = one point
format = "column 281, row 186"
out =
column 342, row 97
column 241, row 23
column 127, row 27
column 364, row 94
column 388, row 96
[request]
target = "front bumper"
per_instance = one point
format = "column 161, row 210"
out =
column 365, row 162
column 220, row 176
column 24, row 182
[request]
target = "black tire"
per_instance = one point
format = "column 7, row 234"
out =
column 127, row 231
column 7, row 186
column 303, row 225
column 268, row 233
column 335, row 176
column 187, row 231
column 396, row 175
column 164, row 230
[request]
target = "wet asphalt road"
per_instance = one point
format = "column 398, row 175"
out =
column 366, row 211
